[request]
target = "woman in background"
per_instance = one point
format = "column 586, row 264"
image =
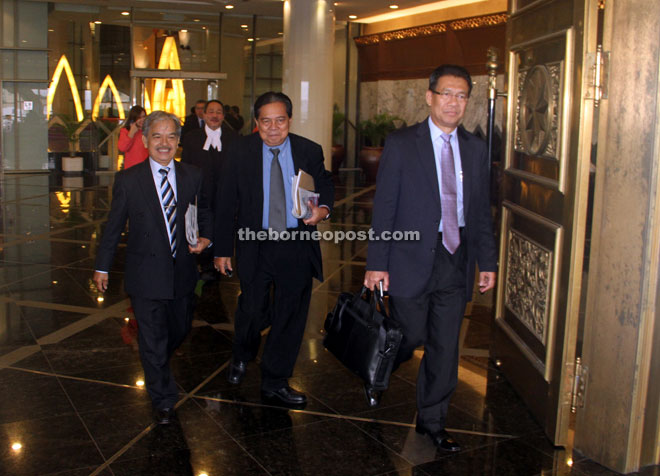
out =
column 130, row 138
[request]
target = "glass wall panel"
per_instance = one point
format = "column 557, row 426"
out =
column 8, row 19
column 32, row 64
column 32, row 24
column 24, row 139
column 7, row 64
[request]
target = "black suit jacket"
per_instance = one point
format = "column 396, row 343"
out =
column 239, row 201
column 190, row 123
column 150, row 271
column 210, row 161
column 408, row 199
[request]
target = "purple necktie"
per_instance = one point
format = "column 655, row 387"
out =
column 450, row 236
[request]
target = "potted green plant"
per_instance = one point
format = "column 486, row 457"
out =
column 338, row 149
column 373, row 133
column 72, row 129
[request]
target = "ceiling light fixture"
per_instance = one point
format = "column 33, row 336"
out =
column 184, row 31
column 229, row 7
column 125, row 13
column 250, row 39
column 244, row 26
column 196, row 19
column 394, row 7
column 97, row 22
column 352, row 17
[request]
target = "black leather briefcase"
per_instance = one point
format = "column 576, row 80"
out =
column 363, row 337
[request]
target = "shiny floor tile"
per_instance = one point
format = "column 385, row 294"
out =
column 70, row 373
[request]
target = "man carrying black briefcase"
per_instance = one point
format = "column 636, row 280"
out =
column 363, row 338
column 439, row 164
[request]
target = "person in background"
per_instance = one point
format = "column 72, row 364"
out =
column 195, row 120
column 130, row 138
column 205, row 148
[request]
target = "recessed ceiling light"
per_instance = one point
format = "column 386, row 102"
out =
column 229, row 7
column 250, row 39
column 280, row 33
column 195, row 19
column 394, row 7
column 352, row 17
column 98, row 22
column 203, row 28
column 244, row 26
column 184, row 31
column 51, row 30
column 16, row 446
column 125, row 13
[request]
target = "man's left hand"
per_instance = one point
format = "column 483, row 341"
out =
column 202, row 244
column 318, row 214
column 486, row 281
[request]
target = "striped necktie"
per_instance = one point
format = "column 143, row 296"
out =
column 450, row 234
column 169, row 205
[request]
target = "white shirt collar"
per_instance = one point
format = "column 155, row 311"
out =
column 436, row 131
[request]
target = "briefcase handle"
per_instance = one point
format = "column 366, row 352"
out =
column 375, row 299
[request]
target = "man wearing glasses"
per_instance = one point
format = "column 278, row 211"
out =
column 440, row 165
column 255, row 194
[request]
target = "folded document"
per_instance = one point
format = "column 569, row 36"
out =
column 302, row 191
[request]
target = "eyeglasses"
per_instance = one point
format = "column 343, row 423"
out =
column 445, row 95
column 278, row 121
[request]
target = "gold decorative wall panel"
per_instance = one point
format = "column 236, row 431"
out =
column 434, row 29
column 527, row 287
column 538, row 110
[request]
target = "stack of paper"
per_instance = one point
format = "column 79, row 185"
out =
column 192, row 231
column 302, row 192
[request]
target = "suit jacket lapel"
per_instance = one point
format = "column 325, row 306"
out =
column 466, row 166
column 427, row 159
column 296, row 154
column 256, row 172
column 152, row 198
column 184, row 196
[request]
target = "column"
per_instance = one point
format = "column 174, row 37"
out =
column 307, row 69
column 619, row 426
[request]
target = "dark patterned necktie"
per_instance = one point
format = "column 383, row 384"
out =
column 448, row 198
column 169, row 204
column 277, row 200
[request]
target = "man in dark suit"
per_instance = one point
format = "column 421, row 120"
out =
column 438, row 167
column 255, row 196
column 160, row 272
column 206, row 147
column 194, row 120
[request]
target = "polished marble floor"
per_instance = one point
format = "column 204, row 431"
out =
column 70, row 379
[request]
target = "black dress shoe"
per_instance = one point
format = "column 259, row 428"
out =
column 164, row 416
column 285, row 395
column 373, row 396
column 441, row 438
column 237, row 369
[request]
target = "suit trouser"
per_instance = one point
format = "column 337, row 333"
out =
column 433, row 319
column 162, row 327
column 285, row 267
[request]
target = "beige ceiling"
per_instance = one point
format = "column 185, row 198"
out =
column 273, row 8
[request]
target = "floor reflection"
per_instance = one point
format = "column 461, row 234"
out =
column 70, row 378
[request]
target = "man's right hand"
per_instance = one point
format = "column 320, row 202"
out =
column 373, row 278
column 101, row 281
column 223, row 265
